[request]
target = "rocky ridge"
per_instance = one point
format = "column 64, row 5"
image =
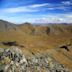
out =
column 33, row 29
column 13, row 60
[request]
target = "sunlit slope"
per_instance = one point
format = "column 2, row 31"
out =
column 46, row 29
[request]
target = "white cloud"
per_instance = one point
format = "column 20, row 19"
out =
column 58, row 7
column 18, row 9
column 67, row 2
column 64, row 5
column 50, row 18
column 55, row 18
column 69, row 16
column 60, row 18
column 29, row 8
column 39, row 5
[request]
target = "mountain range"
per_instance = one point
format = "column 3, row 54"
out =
column 36, row 29
column 46, row 38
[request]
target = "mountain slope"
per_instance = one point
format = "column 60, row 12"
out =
column 40, row 39
column 4, row 26
column 48, row 29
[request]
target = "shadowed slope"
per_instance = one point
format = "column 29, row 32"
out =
column 6, row 26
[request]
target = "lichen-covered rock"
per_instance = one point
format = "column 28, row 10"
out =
column 13, row 60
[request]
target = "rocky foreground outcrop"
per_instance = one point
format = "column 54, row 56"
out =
column 13, row 60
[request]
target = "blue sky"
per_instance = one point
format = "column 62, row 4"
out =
column 36, row 11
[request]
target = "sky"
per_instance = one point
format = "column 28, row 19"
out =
column 36, row 11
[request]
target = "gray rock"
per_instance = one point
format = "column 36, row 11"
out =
column 13, row 60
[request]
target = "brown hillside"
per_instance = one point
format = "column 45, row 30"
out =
column 40, row 39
